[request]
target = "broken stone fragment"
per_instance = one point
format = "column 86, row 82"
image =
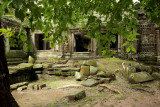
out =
column 106, row 74
column 90, row 83
column 104, row 80
column 156, row 75
column 15, row 86
column 30, row 60
column 93, row 70
column 85, row 70
column 36, row 87
column 129, row 70
column 79, row 76
column 41, row 86
column 22, row 88
column 77, row 95
column 140, row 77
column 146, row 68
column 101, row 74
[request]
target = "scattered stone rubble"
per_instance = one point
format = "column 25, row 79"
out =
column 92, row 75
column 25, row 85
column 139, row 73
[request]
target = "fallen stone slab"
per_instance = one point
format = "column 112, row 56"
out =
column 77, row 95
column 106, row 74
column 37, row 66
column 104, row 80
column 21, row 67
column 22, row 88
column 17, row 85
column 90, row 83
column 69, row 69
column 140, row 77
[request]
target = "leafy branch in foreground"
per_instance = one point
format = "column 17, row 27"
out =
column 53, row 17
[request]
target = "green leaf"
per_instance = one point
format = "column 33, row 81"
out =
column 18, row 3
column 128, row 49
column 23, row 37
column 3, row 7
column 20, row 14
column 135, row 33
column 133, row 49
column 126, row 43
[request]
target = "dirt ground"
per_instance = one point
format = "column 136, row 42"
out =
column 118, row 93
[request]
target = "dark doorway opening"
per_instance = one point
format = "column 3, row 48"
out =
column 83, row 43
column 41, row 44
column 114, row 45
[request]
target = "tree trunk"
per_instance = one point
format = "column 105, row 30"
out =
column 6, row 98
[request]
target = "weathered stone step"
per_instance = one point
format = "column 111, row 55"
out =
column 51, row 61
column 59, row 66
column 63, row 71
column 17, row 62
column 14, row 59
column 69, row 69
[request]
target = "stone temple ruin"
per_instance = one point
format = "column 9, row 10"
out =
column 54, row 61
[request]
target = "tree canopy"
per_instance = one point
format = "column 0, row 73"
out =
column 55, row 17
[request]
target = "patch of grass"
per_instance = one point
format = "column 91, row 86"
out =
column 120, row 97
column 56, row 83
column 113, row 64
column 101, row 67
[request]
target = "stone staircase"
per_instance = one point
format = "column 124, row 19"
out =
column 62, row 70
column 15, row 57
column 48, row 56
column 81, row 56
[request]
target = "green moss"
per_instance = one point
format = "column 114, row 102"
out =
column 101, row 67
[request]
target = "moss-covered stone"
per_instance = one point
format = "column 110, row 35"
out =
column 20, row 73
column 140, row 77
column 129, row 70
column 93, row 70
column 77, row 95
column 156, row 75
column 85, row 70
column 101, row 74
column 79, row 76
column 90, row 83
column 146, row 68
column 17, row 85
column 92, row 63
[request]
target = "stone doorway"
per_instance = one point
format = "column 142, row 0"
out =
column 114, row 45
column 41, row 44
column 82, row 43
